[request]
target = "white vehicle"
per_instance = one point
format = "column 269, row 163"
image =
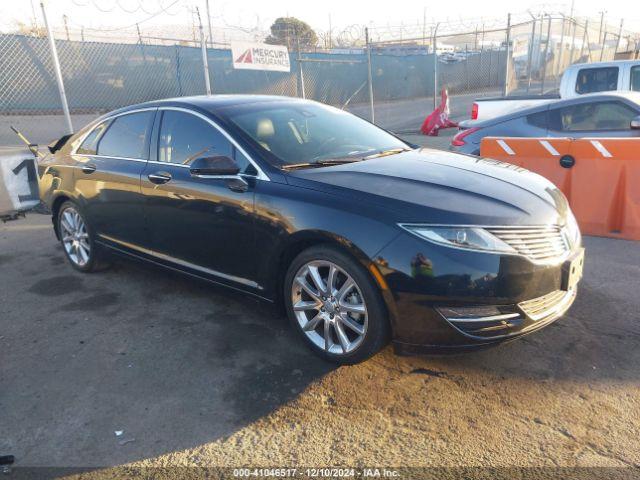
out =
column 622, row 75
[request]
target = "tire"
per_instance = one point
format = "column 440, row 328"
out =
column 344, row 326
column 81, row 250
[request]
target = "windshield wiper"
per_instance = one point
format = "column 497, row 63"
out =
column 384, row 153
column 320, row 163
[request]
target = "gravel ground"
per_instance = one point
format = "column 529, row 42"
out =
column 197, row 376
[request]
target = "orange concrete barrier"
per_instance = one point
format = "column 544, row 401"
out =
column 599, row 176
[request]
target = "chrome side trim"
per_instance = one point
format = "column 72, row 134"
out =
column 89, row 155
column 183, row 263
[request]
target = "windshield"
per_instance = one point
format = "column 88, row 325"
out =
column 307, row 133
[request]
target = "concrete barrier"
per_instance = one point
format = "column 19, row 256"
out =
column 599, row 176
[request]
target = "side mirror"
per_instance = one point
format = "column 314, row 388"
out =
column 635, row 123
column 218, row 166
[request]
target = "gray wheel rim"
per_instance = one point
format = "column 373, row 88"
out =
column 75, row 237
column 329, row 307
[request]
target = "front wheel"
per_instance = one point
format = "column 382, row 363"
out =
column 334, row 304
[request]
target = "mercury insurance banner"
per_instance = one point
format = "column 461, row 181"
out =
column 260, row 56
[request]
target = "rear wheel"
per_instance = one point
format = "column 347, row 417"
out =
column 77, row 239
column 334, row 304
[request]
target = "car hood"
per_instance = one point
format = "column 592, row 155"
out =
column 433, row 186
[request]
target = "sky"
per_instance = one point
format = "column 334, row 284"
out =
column 340, row 14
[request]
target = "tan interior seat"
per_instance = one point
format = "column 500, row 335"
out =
column 265, row 131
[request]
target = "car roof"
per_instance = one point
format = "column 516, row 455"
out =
column 615, row 63
column 633, row 97
column 212, row 103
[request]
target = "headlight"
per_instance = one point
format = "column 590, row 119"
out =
column 573, row 230
column 468, row 238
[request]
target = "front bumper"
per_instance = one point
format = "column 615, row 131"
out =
column 442, row 299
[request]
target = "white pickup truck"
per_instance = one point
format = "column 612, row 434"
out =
column 576, row 80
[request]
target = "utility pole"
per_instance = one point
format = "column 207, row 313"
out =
column 602, row 47
column 585, row 39
column 561, row 49
column 205, row 61
column 619, row 37
column 530, row 57
column 56, row 68
column 505, row 90
column 546, row 55
column 601, row 26
column 369, row 75
column 66, row 26
column 424, row 25
column 435, row 66
column 209, row 21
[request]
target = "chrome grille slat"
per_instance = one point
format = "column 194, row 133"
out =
column 546, row 305
column 543, row 243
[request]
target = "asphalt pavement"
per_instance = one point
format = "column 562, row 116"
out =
column 188, row 374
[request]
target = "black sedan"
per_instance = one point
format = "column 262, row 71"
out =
column 360, row 237
column 612, row 114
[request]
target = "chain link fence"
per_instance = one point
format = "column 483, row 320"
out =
column 392, row 81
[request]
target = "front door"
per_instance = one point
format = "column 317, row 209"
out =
column 199, row 224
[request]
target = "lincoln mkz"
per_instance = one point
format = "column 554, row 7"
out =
column 360, row 236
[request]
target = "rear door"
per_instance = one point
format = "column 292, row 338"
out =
column 606, row 118
column 110, row 161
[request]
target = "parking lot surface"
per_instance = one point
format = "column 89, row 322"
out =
column 195, row 375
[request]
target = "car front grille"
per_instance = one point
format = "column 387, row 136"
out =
column 547, row 305
column 540, row 244
column 491, row 322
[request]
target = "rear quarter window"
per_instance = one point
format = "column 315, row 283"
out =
column 538, row 119
column 591, row 80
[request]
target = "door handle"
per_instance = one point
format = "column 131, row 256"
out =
column 159, row 177
column 88, row 168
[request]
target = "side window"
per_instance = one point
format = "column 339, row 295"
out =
column 591, row 80
column 538, row 119
column 635, row 78
column 126, row 136
column 185, row 137
column 90, row 143
column 596, row 116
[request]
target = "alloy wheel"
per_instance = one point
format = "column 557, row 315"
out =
column 75, row 237
column 329, row 307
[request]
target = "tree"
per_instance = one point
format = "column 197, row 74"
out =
column 292, row 32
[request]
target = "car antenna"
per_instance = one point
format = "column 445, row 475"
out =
column 32, row 146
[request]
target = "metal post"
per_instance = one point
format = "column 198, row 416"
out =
column 209, row 22
column 601, row 26
column 573, row 41
column 505, row 90
column 530, row 57
column 58, row 72
column 205, row 62
column 561, row 49
column 369, row 75
column 66, row 26
column 546, row 54
column 300, row 71
column 584, row 38
column 604, row 42
column 435, row 66
column 619, row 37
